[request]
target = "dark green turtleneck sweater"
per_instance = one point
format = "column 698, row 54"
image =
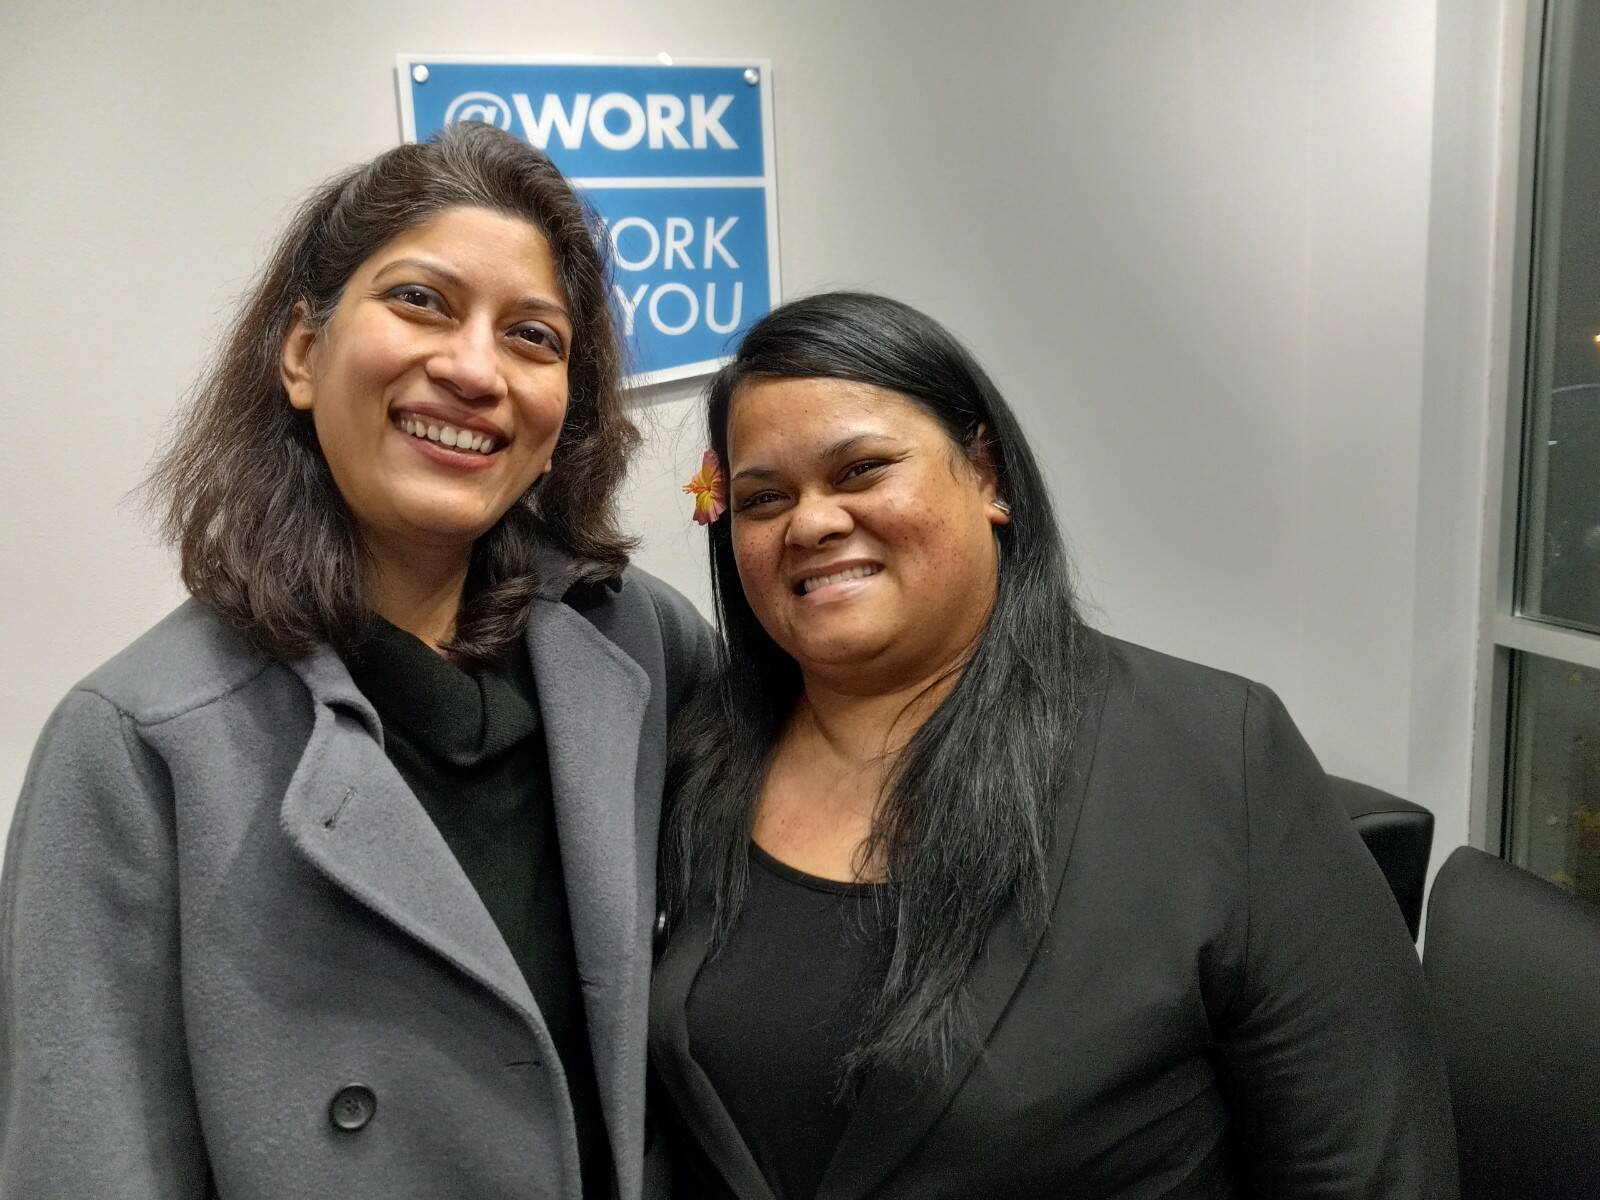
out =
column 470, row 745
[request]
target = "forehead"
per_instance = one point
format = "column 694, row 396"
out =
column 487, row 244
column 791, row 417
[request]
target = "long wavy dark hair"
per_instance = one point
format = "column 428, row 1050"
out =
column 964, row 826
column 244, row 493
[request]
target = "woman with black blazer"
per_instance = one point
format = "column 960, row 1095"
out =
column 967, row 899
column 341, row 880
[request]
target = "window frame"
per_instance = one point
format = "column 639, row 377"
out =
column 1503, row 631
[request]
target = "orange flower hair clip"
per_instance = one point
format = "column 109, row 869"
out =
column 709, row 489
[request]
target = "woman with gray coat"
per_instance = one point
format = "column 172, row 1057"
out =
column 340, row 880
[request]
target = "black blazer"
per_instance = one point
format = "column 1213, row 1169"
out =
column 1224, row 1002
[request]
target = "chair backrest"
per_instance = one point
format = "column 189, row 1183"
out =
column 1513, row 970
column 1398, row 833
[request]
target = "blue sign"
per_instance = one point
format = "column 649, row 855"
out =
column 676, row 158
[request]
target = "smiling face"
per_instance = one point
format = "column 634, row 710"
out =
column 439, row 385
column 863, row 534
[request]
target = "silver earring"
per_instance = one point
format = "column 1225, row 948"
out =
column 1002, row 506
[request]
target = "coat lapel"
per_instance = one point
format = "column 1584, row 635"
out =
column 592, row 699
column 897, row 1108
column 349, row 812
column 692, row 1091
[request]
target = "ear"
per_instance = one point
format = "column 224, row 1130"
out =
column 296, row 361
column 988, row 479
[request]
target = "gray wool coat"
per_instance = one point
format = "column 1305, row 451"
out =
column 238, row 959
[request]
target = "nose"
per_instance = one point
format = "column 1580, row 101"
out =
column 817, row 520
column 468, row 363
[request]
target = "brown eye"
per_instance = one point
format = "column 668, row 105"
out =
column 417, row 296
column 756, row 500
column 541, row 336
column 863, row 469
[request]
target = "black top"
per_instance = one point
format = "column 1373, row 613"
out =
column 772, row 1016
column 1220, row 1000
column 470, row 745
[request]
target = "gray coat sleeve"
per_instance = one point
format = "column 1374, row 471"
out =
column 1333, row 1077
column 95, row 1095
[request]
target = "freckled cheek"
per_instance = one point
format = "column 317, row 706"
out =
column 759, row 557
column 927, row 542
column 908, row 527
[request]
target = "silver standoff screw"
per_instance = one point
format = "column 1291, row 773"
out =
column 419, row 73
column 752, row 76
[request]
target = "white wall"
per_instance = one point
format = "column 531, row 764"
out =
column 1191, row 241
column 1370, row 144
column 1152, row 261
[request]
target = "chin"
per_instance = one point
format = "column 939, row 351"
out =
column 450, row 511
column 434, row 526
column 837, row 655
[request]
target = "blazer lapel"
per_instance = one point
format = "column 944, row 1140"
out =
column 691, row 1089
column 353, row 817
column 896, row 1108
column 592, row 699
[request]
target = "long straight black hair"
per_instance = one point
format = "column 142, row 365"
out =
column 964, row 826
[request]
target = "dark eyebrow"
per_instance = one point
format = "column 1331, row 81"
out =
column 830, row 453
column 540, row 304
column 844, row 446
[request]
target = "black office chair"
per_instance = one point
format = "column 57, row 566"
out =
column 1400, row 836
column 1513, row 970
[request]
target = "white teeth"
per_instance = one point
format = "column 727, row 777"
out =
column 448, row 435
column 822, row 581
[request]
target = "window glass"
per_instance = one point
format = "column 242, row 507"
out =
column 1560, row 554
column 1554, row 823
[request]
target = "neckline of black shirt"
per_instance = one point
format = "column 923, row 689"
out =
column 462, row 717
column 837, row 887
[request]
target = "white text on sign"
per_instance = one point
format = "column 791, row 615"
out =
column 671, row 248
column 615, row 120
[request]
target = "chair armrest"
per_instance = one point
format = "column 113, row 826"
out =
column 1398, row 834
